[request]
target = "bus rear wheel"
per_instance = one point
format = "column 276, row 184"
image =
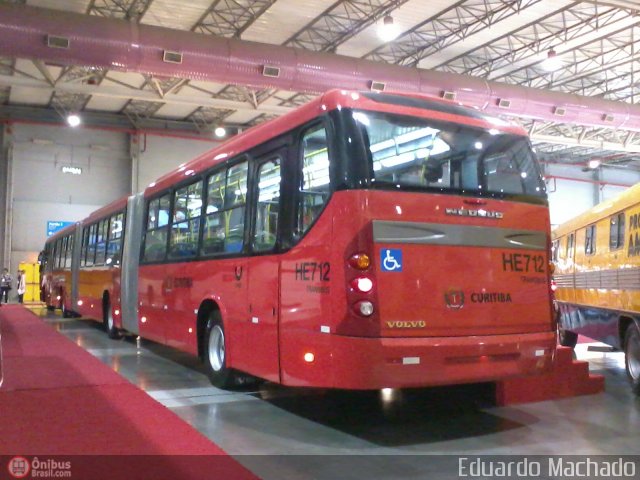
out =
column 632, row 357
column 215, row 357
column 109, row 324
column 66, row 313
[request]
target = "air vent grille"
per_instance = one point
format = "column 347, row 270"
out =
column 448, row 95
column 171, row 57
column 270, row 71
column 377, row 86
column 55, row 41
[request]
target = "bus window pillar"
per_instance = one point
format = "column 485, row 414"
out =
column 6, row 194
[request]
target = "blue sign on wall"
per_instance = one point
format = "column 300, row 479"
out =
column 55, row 225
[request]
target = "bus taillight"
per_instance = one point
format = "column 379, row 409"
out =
column 554, row 286
column 364, row 308
column 360, row 261
column 362, row 284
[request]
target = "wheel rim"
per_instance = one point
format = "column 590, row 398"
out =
column 633, row 356
column 216, row 348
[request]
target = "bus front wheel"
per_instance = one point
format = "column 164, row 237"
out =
column 567, row 338
column 632, row 357
column 215, row 357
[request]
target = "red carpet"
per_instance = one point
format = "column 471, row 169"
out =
column 59, row 400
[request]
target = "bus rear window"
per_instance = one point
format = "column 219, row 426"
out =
column 413, row 152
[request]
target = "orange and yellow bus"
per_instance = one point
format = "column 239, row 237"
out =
column 597, row 276
column 362, row 241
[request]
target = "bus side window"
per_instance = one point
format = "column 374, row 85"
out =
column 616, row 232
column 187, row 205
column 266, row 224
column 101, row 244
column 314, row 188
column 155, row 240
column 69, row 256
column 116, row 229
column 569, row 251
column 555, row 245
column 84, row 247
column 590, row 240
column 225, row 211
column 91, row 249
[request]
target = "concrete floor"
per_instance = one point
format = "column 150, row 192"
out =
column 285, row 434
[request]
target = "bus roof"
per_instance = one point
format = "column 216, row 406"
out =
column 332, row 100
column 622, row 201
column 62, row 233
column 102, row 212
column 107, row 210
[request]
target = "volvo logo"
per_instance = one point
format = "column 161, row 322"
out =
column 407, row 324
column 454, row 299
column 479, row 213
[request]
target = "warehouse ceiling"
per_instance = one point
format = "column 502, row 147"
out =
column 596, row 44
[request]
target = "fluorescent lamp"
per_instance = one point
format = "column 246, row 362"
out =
column 72, row 170
column 74, row 120
column 388, row 30
column 552, row 62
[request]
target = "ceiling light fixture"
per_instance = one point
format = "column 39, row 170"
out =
column 552, row 62
column 593, row 164
column 220, row 132
column 388, row 30
column 74, row 120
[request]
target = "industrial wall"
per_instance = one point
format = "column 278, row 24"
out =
column 160, row 154
column 573, row 191
column 42, row 192
column 112, row 164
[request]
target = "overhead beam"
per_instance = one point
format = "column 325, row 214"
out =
column 134, row 94
column 577, row 142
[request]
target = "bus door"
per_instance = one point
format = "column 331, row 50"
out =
column 264, row 269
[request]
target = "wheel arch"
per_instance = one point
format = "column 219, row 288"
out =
column 206, row 308
column 623, row 324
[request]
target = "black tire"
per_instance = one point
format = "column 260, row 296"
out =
column 109, row 326
column 632, row 357
column 50, row 308
column 567, row 338
column 214, row 354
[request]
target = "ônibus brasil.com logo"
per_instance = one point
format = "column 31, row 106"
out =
column 19, row 467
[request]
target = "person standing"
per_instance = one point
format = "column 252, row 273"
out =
column 5, row 285
column 22, row 285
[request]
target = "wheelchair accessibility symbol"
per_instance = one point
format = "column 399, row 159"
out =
column 391, row 260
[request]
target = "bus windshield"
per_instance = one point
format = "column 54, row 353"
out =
column 411, row 153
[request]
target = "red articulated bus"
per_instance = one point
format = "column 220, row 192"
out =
column 362, row 241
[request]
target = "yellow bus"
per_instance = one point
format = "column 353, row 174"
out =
column 597, row 277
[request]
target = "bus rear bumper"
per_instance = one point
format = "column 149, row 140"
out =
column 374, row 363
